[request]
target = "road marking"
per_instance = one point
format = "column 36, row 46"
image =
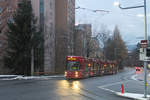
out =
column 107, row 85
column 138, row 80
column 134, row 77
column 104, row 87
column 109, row 90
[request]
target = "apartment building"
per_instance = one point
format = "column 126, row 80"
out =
column 56, row 20
column 64, row 31
column 44, row 10
column 82, row 39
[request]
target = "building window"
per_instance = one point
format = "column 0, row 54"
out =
column 1, row 10
column 10, row 20
column 41, row 6
column 0, row 21
column 0, row 44
column 42, row 15
column 9, row 9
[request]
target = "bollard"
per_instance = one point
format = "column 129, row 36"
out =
column 122, row 87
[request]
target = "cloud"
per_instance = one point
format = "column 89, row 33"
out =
column 131, row 25
column 142, row 15
column 77, row 23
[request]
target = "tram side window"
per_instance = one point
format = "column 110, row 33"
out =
column 86, row 66
column 111, row 66
column 95, row 66
column 98, row 67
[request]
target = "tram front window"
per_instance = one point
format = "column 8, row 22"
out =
column 73, row 66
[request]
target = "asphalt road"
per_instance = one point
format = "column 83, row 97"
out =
column 95, row 88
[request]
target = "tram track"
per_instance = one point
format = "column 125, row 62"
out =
column 86, row 93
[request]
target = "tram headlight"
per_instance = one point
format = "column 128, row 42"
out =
column 76, row 74
column 148, row 66
column 65, row 74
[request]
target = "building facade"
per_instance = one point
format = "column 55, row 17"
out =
column 44, row 10
column 56, row 20
column 64, row 31
column 82, row 40
column 49, row 36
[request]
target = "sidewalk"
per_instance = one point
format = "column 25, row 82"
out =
column 133, row 96
column 140, row 77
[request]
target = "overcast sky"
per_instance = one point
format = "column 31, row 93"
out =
column 130, row 22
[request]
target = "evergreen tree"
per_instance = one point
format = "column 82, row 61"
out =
column 22, row 37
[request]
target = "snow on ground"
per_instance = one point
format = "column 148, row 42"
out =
column 31, row 77
column 133, row 96
column 20, row 77
column 8, row 76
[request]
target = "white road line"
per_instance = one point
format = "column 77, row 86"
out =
column 134, row 77
column 107, row 85
column 109, row 90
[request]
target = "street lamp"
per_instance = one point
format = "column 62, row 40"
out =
column 145, row 37
column 116, row 3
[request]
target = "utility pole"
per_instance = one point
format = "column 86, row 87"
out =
column 145, row 37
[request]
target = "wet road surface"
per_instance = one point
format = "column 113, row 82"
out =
column 95, row 88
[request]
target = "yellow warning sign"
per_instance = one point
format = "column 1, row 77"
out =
column 147, row 84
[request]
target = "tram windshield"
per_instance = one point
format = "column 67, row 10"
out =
column 73, row 65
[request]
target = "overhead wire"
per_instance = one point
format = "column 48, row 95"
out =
column 93, row 10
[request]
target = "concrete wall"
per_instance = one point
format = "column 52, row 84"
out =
column 79, row 40
column 82, row 38
column 64, row 26
column 46, row 21
column 49, row 35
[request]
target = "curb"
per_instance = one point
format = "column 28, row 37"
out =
column 133, row 96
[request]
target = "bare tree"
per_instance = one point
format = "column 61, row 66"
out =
column 116, row 48
column 103, row 35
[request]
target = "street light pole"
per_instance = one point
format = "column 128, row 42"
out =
column 145, row 19
column 145, row 37
column 145, row 63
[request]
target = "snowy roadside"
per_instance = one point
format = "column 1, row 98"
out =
column 20, row 77
column 140, row 76
column 8, row 76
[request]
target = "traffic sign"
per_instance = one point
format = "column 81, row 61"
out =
column 142, row 54
column 144, row 43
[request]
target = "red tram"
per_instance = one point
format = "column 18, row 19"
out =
column 80, row 67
